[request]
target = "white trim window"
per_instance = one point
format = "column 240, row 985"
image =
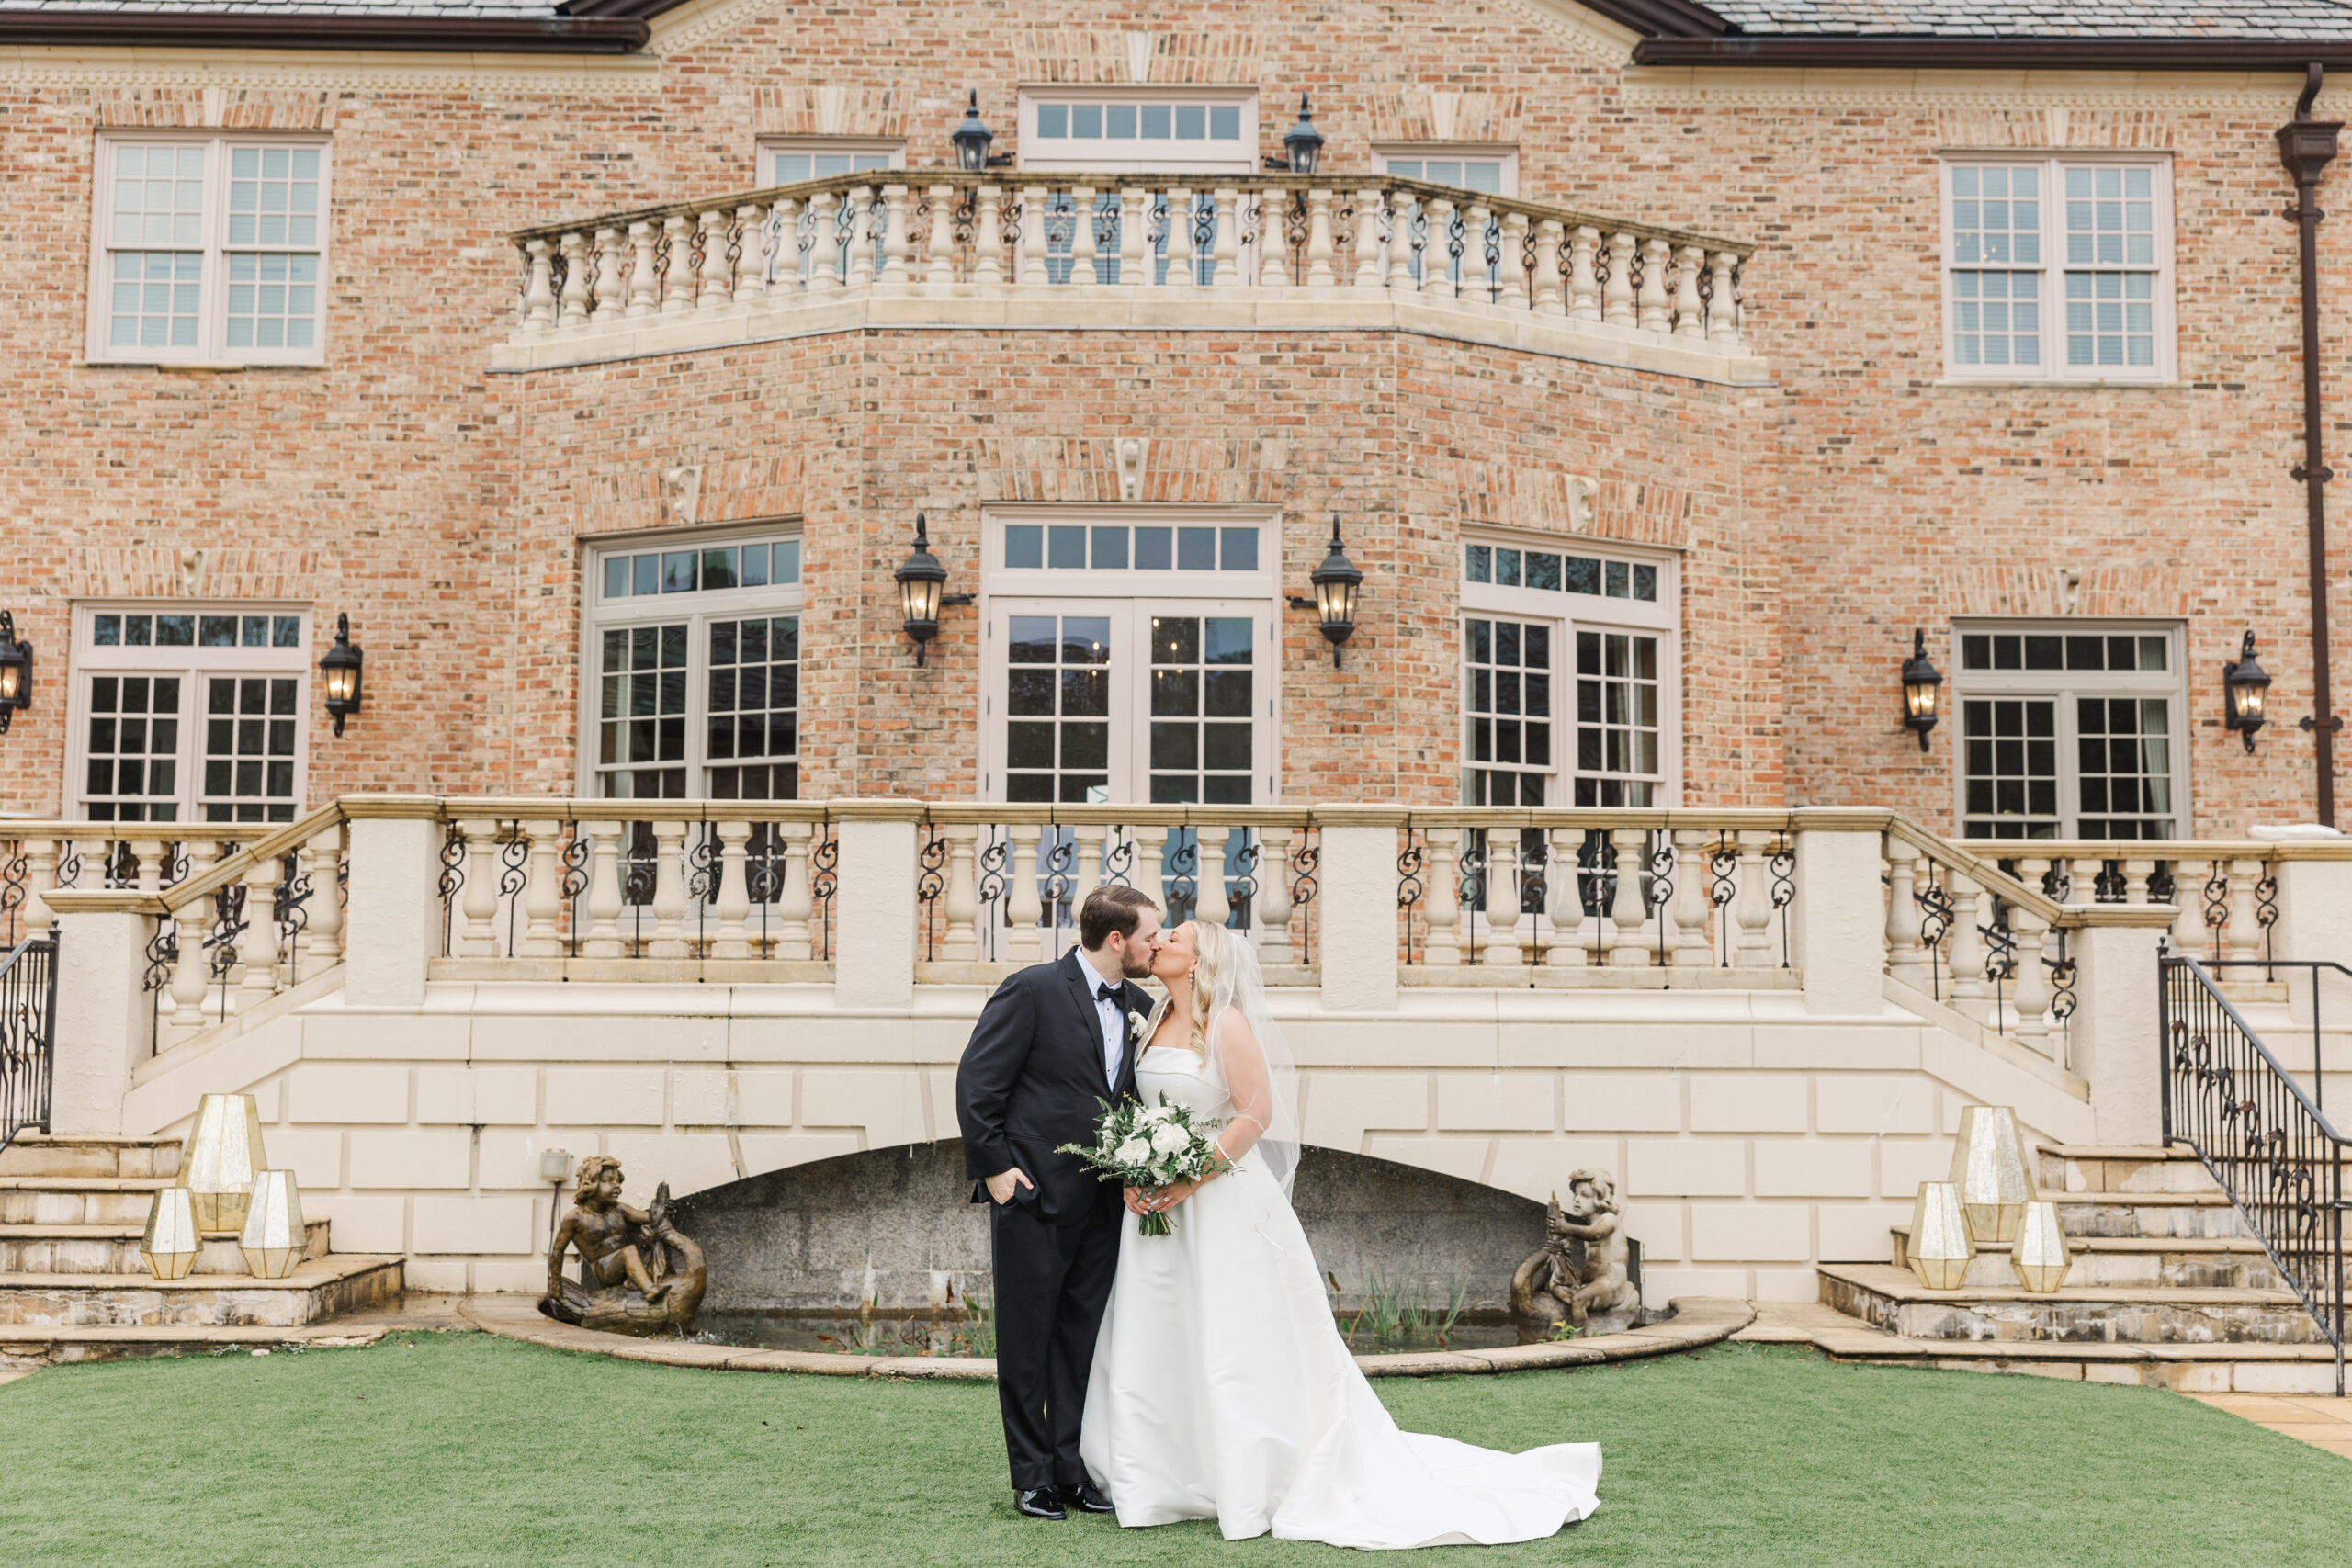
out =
column 209, row 249
column 1091, row 130
column 2070, row 729
column 1569, row 674
column 693, row 665
column 2058, row 268
column 1130, row 656
column 188, row 713
column 1488, row 167
column 789, row 160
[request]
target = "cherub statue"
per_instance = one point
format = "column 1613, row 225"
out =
column 1580, row 1269
column 648, row 1278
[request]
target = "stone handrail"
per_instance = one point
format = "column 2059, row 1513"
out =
column 944, row 235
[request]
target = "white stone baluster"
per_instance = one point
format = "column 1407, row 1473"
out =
column 2082, row 873
column 543, row 893
column 1151, row 868
column 1320, row 273
column 961, row 943
column 1225, row 249
column 575, row 279
column 41, row 876
column 1723, row 308
column 678, row 276
column 1271, row 911
column 784, row 261
column 794, row 900
column 1477, row 284
column 538, row 293
column 752, row 260
column 1655, row 303
column 1754, row 903
column 891, row 213
column 479, row 900
column 1022, row 908
column 2030, row 982
column 2136, row 872
column 1629, row 912
column 716, row 292
column 1583, row 275
column 644, row 269
column 1971, row 991
column 1550, row 297
column 1500, row 896
column 734, row 907
column 988, row 235
column 1437, row 251
column 147, row 858
column 1441, row 903
column 1134, row 224
column 2189, row 932
column 1514, row 263
column 606, row 875
column 861, row 238
column 824, row 242
column 1906, row 959
column 1212, row 905
column 1274, row 241
column 939, row 274
column 1086, row 874
column 1401, row 206
column 1566, row 897
column 1182, row 272
column 606, row 288
column 1688, row 318
column 1617, row 293
column 2245, row 929
column 1367, row 241
column 1691, row 900
column 1033, row 274
column 1083, row 244
column 257, row 948
column 669, row 892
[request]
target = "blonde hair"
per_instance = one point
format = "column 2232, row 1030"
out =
column 1213, row 943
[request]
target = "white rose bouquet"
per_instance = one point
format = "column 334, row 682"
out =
column 1151, row 1147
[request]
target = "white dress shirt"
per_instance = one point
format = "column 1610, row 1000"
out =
column 1115, row 1028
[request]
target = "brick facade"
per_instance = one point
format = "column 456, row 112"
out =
column 1821, row 517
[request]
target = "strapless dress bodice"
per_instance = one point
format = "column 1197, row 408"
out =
column 1183, row 1078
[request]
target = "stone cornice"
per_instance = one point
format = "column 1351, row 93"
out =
column 1751, row 86
column 100, row 66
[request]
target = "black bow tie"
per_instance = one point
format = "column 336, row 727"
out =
column 1106, row 993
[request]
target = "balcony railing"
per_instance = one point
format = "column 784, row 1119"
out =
column 1022, row 249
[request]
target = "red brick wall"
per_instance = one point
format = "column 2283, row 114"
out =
column 1824, row 516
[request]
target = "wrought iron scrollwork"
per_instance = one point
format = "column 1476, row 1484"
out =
column 2217, row 905
column 452, row 881
column 163, row 956
column 573, row 859
column 1661, row 888
column 1182, row 871
column 931, row 884
column 1119, row 862
column 1783, row 867
column 1722, row 887
column 2265, row 915
column 1410, row 864
column 1472, row 866
column 2062, row 981
column 16, row 884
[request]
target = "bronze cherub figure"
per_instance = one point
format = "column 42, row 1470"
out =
column 648, row 1278
column 1578, row 1272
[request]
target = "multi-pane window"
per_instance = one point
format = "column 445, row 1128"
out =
column 2058, row 267
column 188, row 714
column 210, row 248
column 789, row 162
column 1100, row 132
column 1078, row 546
column 1202, row 704
column 1509, row 667
column 694, row 685
column 1567, row 680
column 1485, row 171
column 2068, row 731
column 1057, row 708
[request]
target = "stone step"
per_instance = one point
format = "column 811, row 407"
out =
column 1892, row 1299
column 114, row 1249
column 24, row 1346
column 77, row 1200
column 2130, row 1262
column 75, row 1153
column 338, row 1282
column 2065, row 1169
column 2179, row 1215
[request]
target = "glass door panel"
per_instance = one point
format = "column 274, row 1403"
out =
column 641, row 713
column 1204, row 702
column 1057, row 708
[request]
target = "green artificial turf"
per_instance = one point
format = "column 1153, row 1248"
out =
column 463, row 1448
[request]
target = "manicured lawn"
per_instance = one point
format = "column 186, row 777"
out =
column 463, row 1448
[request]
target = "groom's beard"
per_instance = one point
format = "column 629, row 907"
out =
column 1135, row 968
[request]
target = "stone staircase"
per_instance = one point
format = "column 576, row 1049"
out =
column 2168, row 1288
column 75, row 1287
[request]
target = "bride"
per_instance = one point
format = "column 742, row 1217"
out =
column 1220, row 1387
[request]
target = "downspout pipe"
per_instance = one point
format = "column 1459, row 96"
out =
column 2306, row 146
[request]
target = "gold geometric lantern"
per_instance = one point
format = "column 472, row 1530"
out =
column 273, row 1240
column 1988, row 1167
column 221, row 1158
column 2039, row 1254
column 1939, row 1251
column 172, row 1242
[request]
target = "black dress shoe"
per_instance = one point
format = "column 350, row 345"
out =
column 1037, row 1502
column 1086, row 1497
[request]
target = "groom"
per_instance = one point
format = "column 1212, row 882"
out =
column 1054, row 1041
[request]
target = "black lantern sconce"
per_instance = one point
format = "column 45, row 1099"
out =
column 1922, row 689
column 340, row 665
column 1335, row 581
column 15, row 672
column 1302, row 146
column 920, row 581
column 972, row 141
column 2245, row 683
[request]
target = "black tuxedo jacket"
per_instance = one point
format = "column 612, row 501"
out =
column 1031, row 1081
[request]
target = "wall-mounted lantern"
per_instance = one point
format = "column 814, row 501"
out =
column 920, row 583
column 2245, row 683
column 15, row 672
column 1922, row 689
column 1335, row 583
column 972, row 140
column 340, row 665
column 1303, row 147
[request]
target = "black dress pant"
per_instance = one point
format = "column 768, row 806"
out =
column 1052, row 1283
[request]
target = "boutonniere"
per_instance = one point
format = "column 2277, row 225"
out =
column 1135, row 1026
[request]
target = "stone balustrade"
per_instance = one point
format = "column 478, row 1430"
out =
column 942, row 247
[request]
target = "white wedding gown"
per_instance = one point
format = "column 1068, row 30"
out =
column 1221, row 1388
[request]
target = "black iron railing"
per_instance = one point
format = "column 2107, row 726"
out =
column 27, row 1035
column 2262, row 1139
